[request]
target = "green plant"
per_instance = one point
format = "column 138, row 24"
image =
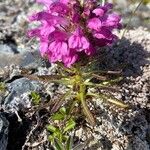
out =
column 67, row 146
column 78, row 80
column 59, row 133
column 72, row 32
column 36, row 98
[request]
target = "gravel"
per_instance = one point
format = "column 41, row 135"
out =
column 127, row 129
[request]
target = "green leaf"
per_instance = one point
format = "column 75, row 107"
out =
column 51, row 128
column 58, row 116
column 35, row 98
column 104, row 83
column 110, row 99
column 88, row 113
column 86, row 110
column 58, row 104
column 70, row 125
column 2, row 86
column 58, row 145
column 51, row 138
column 115, row 101
column 71, row 105
column 57, row 134
column 63, row 110
column 64, row 137
column 113, row 81
column 69, row 143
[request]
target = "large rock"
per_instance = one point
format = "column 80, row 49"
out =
column 18, row 97
column 27, row 59
column 3, row 132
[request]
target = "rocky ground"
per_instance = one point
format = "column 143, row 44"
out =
column 140, row 17
column 117, row 129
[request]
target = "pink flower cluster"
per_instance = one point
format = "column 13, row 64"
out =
column 70, row 28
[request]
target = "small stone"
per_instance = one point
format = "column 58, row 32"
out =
column 6, row 49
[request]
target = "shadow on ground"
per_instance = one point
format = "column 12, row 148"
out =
column 130, row 129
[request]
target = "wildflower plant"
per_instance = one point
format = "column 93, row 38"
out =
column 71, row 34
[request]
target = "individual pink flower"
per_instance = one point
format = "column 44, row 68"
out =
column 112, row 21
column 94, row 23
column 57, row 50
column 59, row 7
column 101, row 10
column 78, row 41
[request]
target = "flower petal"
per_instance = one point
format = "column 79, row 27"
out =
column 95, row 24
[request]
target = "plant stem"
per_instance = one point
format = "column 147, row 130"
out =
column 130, row 18
column 81, row 95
